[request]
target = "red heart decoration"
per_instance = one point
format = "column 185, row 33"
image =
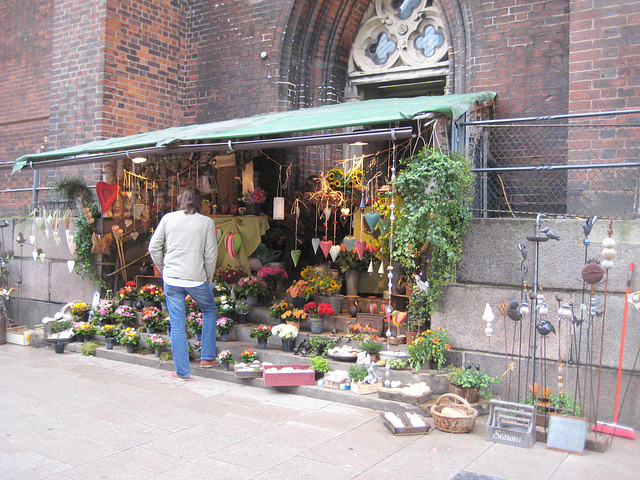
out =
column 325, row 246
column 107, row 194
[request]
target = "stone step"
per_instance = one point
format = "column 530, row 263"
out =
column 275, row 355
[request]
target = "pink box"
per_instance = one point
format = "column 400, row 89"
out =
column 290, row 379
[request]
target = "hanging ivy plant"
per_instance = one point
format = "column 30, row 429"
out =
column 71, row 189
column 435, row 190
column 85, row 264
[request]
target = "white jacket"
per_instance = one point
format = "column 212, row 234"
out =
column 184, row 246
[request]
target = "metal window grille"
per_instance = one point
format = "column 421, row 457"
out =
column 573, row 165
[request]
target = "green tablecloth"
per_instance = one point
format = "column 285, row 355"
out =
column 250, row 230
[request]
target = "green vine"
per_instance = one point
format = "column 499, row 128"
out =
column 435, row 191
column 85, row 264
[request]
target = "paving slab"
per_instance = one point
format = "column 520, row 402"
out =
column 72, row 417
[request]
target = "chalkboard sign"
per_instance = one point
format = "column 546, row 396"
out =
column 567, row 434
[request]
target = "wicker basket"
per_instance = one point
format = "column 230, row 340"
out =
column 454, row 424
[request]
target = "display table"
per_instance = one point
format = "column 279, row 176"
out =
column 248, row 228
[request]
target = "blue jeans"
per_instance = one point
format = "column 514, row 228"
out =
column 175, row 298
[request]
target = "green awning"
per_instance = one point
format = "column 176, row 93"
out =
column 351, row 114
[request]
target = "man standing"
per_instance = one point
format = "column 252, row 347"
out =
column 185, row 250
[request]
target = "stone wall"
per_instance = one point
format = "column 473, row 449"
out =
column 489, row 272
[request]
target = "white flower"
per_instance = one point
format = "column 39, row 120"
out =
column 285, row 331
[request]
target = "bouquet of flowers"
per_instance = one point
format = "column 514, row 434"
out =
column 5, row 292
column 129, row 336
column 299, row 289
column 152, row 293
column 225, row 356
column 79, row 309
column 128, row 292
column 156, row 341
column 109, row 331
column 430, row 345
column 248, row 356
column 252, row 286
column 320, row 281
column 152, row 317
column 315, row 310
column 124, row 314
column 254, row 196
column 194, row 321
column 224, row 324
column 261, row 331
column 103, row 312
column 285, row 331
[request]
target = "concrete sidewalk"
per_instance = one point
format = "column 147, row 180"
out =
column 69, row 416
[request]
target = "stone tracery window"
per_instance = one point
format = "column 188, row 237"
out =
column 396, row 39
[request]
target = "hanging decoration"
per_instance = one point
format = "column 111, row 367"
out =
column 278, row 200
column 232, row 244
column 325, row 246
column 101, row 244
column 295, row 253
column 107, row 194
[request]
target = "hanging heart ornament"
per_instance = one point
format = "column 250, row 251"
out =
column 349, row 243
column 372, row 220
column 295, row 256
column 107, row 194
column 360, row 248
column 71, row 265
column 335, row 251
column 315, row 243
column 325, row 246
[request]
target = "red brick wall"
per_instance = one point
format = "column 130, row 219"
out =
column 605, row 55
column 143, row 88
column 520, row 50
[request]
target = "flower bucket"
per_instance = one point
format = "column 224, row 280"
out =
column 335, row 301
column 59, row 347
column 316, row 324
column 262, row 343
column 224, row 336
column 109, row 343
column 130, row 347
column 288, row 344
column 352, row 279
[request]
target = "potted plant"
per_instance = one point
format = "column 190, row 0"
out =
column 253, row 200
column 252, row 288
column 357, row 373
column 299, row 292
column 194, row 324
column 89, row 348
column 223, row 327
column 418, row 313
column 151, row 318
column 320, row 365
column 372, row 347
column 317, row 313
column 320, row 344
column 325, row 284
column 397, row 364
column 469, row 383
column 431, row 219
column 151, row 294
column 225, row 306
column 103, row 312
column 130, row 338
column 156, row 343
column 287, row 333
column 262, row 332
column 80, row 311
column 124, row 315
column 225, row 358
column 274, row 277
column 85, row 330
column 128, row 294
column 228, row 276
column 242, row 310
column 351, row 265
column 429, row 348
column 109, row 332
column 248, row 356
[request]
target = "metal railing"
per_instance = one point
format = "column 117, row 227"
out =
column 574, row 165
